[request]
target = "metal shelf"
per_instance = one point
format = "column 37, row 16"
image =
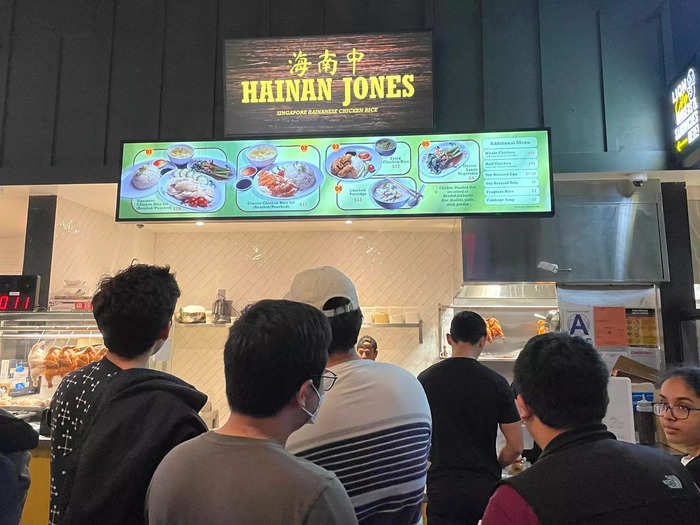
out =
column 418, row 325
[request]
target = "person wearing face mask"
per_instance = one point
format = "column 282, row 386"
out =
column 274, row 364
column 374, row 428
column 679, row 410
column 112, row 421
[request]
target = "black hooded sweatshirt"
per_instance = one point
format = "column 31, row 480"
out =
column 110, row 428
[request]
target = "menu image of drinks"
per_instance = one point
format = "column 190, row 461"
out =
column 407, row 175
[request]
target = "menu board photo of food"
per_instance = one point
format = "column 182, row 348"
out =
column 408, row 175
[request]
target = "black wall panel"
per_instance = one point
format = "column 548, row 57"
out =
column 83, row 88
column 136, row 74
column 31, row 100
column 458, row 65
column 189, row 64
column 512, row 71
column 78, row 77
column 634, row 75
column 571, row 75
column 7, row 10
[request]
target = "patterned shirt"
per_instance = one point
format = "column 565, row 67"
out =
column 373, row 431
column 71, row 406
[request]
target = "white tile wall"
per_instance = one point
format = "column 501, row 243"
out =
column 395, row 268
column 420, row 269
column 89, row 244
column 11, row 255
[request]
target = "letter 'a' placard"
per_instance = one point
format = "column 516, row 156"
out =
column 367, row 83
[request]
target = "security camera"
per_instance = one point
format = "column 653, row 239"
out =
column 638, row 179
column 139, row 226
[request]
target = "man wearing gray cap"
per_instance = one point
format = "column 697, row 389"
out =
column 374, row 427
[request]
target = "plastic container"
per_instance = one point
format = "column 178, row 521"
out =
column 396, row 316
column 411, row 316
column 644, row 423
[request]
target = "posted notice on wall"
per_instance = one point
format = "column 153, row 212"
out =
column 618, row 321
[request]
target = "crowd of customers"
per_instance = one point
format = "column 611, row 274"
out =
column 321, row 433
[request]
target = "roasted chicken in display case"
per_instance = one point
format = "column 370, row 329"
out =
column 513, row 313
column 50, row 361
column 38, row 349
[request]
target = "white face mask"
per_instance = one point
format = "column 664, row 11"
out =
column 314, row 415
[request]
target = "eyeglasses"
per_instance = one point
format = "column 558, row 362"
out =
column 327, row 380
column 677, row 412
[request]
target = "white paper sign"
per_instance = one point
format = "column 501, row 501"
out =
column 620, row 416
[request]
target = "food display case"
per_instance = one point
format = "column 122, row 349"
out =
column 514, row 312
column 38, row 349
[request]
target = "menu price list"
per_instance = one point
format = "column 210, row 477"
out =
column 511, row 171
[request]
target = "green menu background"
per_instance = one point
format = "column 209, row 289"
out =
column 448, row 195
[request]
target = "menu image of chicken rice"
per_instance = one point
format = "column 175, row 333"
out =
column 145, row 177
column 286, row 179
column 348, row 166
column 190, row 188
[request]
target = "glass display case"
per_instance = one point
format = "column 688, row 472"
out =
column 514, row 312
column 38, row 349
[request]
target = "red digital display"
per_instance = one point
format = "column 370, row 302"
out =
column 16, row 303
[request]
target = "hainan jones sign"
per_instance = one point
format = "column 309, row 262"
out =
column 282, row 86
column 686, row 121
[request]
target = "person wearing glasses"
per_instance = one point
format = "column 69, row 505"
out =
column 274, row 365
column 679, row 411
column 374, row 427
column 584, row 475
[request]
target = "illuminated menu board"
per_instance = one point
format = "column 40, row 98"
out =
column 362, row 176
column 686, row 121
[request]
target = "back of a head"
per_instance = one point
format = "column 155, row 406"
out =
column 330, row 290
column 271, row 350
column 467, row 327
column 563, row 380
column 345, row 327
column 134, row 307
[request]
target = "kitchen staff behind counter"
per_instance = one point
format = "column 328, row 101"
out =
column 367, row 348
column 468, row 402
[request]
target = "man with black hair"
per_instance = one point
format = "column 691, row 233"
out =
column 367, row 348
column 374, row 428
column 469, row 402
column 584, row 475
column 274, row 363
column 114, row 420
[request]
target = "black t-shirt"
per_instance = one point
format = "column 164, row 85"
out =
column 467, row 401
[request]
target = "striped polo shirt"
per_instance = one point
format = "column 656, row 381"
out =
column 373, row 431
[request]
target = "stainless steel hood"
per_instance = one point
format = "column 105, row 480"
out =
column 602, row 232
